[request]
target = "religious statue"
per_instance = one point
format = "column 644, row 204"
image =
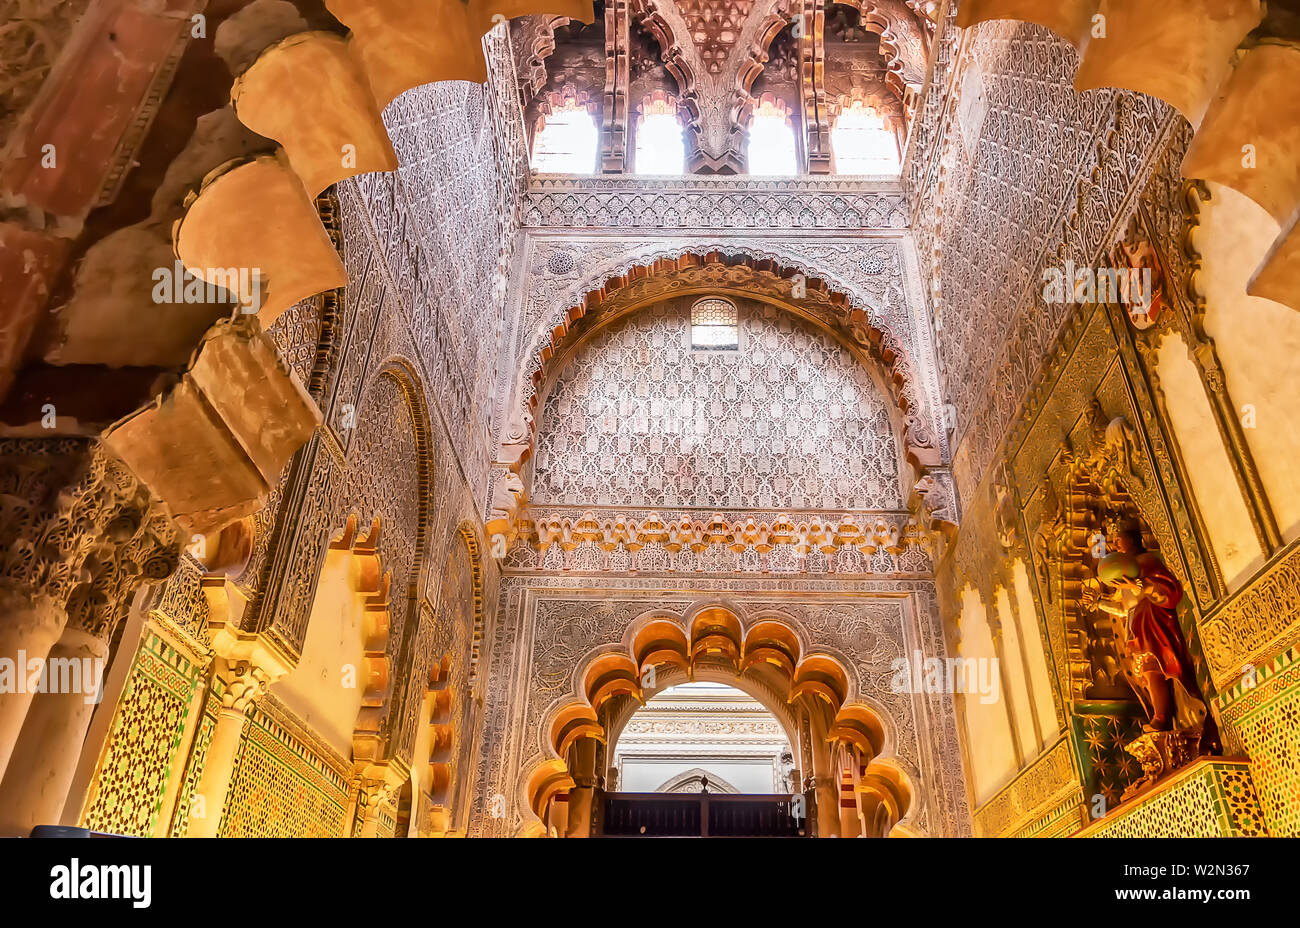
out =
column 785, row 773
column 1143, row 594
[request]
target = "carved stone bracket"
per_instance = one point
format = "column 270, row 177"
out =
column 938, row 501
column 213, row 446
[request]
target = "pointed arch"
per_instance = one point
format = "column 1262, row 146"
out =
column 407, row 521
column 696, row 775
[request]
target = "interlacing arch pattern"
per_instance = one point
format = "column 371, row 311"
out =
column 479, row 629
column 402, row 373
column 565, row 99
column 715, row 74
column 888, row 107
column 374, row 676
column 533, row 47
column 450, row 692
column 441, row 695
column 765, row 655
column 903, row 45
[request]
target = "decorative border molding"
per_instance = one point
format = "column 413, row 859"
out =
column 1258, row 622
column 1050, row 782
column 688, row 202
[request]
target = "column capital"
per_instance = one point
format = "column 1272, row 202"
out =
column 377, row 783
column 381, row 778
column 244, row 683
column 80, row 530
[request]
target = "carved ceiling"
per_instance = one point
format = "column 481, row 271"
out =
column 718, row 57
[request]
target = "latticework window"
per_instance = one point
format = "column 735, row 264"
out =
column 863, row 142
column 714, row 326
column 566, row 142
column 659, row 145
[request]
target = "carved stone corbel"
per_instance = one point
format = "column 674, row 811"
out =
column 214, row 445
column 505, row 508
column 938, row 502
column 517, row 443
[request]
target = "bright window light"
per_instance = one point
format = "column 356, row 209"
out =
column 659, row 147
column 771, row 143
column 714, row 326
column 567, row 142
column 862, row 143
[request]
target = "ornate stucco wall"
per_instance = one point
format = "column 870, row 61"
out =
column 550, row 623
column 400, row 365
column 1208, row 494
column 789, row 420
column 486, row 312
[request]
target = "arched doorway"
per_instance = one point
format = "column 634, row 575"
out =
column 701, row 736
column 764, row 665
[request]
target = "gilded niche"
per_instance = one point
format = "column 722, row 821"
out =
column 1127, row 651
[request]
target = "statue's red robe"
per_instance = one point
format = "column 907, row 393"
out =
column 1154, row 629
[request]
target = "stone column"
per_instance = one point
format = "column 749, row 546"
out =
column 380, row 781
column 78, row 536
column 246, row 664
column 27, row 631
column 33, row 792
column 582, row 798
column 244, row 683
column 373, row 796
column 825, row 781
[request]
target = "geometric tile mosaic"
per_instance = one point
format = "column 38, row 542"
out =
column 144, row 742
column 1210, row 798
column 1261, row 721
column 280, row 788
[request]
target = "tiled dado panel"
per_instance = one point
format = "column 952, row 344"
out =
column 1211, row 798
column 1261, row 721
column 207, row 724
column 281, row 787
column 143, row 749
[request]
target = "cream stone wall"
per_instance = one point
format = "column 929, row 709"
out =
column 1258, row 343
column 1031, row 637
column 1012, row 668
column 1206, row 459
column 991, row 752
column 317, row 690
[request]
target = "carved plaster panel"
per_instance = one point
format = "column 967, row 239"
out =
column 874, row 275
column 1017, row 211
column 699, row 203
column 789, row 419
